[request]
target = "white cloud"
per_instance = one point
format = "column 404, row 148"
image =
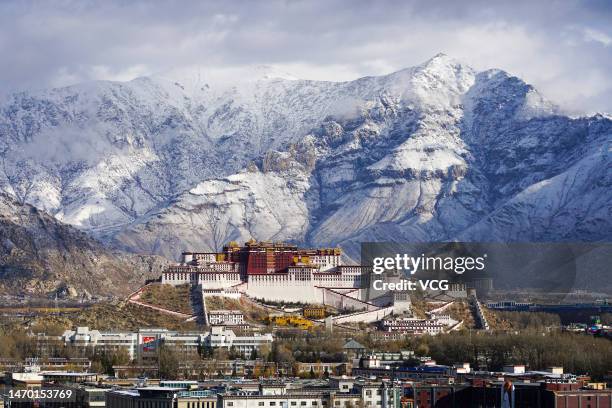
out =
column 597, row 36
column 563, row 49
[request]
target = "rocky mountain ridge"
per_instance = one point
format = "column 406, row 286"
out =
column 436, row 152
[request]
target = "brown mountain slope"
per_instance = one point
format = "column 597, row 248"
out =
column 39, row 256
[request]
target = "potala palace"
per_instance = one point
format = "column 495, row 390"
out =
column 272, row 271
column 280, row 272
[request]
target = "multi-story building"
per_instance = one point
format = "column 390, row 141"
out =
column 158, row 397
column 226, row 317
column 273, row 400
column 270, row 271
column 60, row 363
column 437, row 395
column 535, row 394
column 85, row 396
column 262, row 258
column 221, row 336
column 144, row 345
column 343, row 392
column 411, row 325
column 103, row 342
column 315, row 312
column 577, row 398
column 542, row 389
column 175, row 394
column 195, row 399
column 319, row 369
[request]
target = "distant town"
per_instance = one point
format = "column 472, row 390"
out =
column 272, row 325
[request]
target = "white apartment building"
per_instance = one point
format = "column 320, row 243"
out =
column 413, row 326
column 221, row 336
column 377, row 395
column 105, row 342
column 185, row 344
column 144, row 344
column 226, row 317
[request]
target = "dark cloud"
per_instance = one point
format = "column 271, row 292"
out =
column 563, row 47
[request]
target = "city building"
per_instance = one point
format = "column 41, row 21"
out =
column 353, row 349
column 158, row 397
column 583, row 398
column 144, row 345
column 315, row 312
column 343, row 392
column 221, row 336
column 86, row 396
column 103, row 342
column 426, row 386
column 319, row 369
column 226, row 317
column 410, row 325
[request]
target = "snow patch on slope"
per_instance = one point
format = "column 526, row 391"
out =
column 264, row 206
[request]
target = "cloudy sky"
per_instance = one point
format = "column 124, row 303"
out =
column 564, row 48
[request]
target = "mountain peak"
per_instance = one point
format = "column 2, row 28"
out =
column 441, row 61
column 438, row 81
column 439, row 56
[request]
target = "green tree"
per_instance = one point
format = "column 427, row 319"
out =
column 206, row 351
column 105, row 361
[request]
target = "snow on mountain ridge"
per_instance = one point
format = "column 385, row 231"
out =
column 196, row 78
column 427, row 151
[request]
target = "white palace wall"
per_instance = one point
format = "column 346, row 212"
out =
column 298, row 284
column 302, row 286
column 219, row 280
column 366, row 316
column 279, row 288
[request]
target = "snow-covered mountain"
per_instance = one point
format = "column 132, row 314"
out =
column 191, row 159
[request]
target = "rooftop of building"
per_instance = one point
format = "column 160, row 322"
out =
column 353, row 344
column 225, row 311
column 159, row 388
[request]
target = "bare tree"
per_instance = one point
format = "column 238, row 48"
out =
column 218, row 227
column 13, row 182
column 23, row 189
column 20, row 179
